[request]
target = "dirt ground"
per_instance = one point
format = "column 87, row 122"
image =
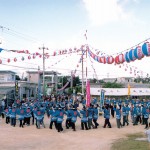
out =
column 30, row 138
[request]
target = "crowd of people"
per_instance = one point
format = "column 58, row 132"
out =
column 64, row 109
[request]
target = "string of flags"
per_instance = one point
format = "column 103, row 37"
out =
column 137, row 53
column 37, row 54
column 73, row 73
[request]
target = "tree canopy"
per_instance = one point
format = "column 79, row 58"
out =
column 112, row 85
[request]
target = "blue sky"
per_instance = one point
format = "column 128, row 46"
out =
column 113, row 26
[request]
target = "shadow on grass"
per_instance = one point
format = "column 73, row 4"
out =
column 130, row 143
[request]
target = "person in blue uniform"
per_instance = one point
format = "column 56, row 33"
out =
column 60, row 115
column 52, row 114
column 84, row 118
column 90, row 116
column 146, row 115
column 27, row 116
column 68, row 120
column 112, row 109
column 138, row 119
column 127, row 111
column 74, row 114
column 142, row 113
column 106, row 116
column 13, row 116
column 6, row 112
column 135, row 115
column 124, row 114
column 21, row 114
column 95, row 115
column 117, row 109
column 39, row 116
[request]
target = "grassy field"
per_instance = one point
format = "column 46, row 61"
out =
column 130, row 143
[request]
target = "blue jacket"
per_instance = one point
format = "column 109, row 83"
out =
column 142, row 111
column 124, row 113
column 28, row 112
column 39, row 115
column 106, row 113
column 12, row 113
column 127, row 110
column 7, row 112
column 146, row 112
column 84, row 116
column 135, row 113
column 95, row 113
column 53, row 114
column 20, row 113
column 139, row 110
column 60, row 115
column 68, row 113
column 74, row 114
column 90, row 113
column 118, row 113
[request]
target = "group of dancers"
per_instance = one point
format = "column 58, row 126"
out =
column 61, row 108
column 138, row 110
column 56, row 109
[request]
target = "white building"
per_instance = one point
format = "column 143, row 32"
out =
column 110, row 80
column 50, row 78
column 125, row 79
column 7, row 76
column 120, row 91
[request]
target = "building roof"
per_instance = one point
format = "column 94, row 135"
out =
column 109, row 78
column 5, row 90
column 46, row 72
column 7, row 71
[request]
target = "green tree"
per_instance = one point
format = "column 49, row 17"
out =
column 112, row 85
column 76, row 81
column 93, row 80
column 17, row 77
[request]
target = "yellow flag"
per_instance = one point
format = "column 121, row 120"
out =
column 129, row 92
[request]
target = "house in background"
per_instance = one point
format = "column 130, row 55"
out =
column 110, row 80
column 8, row 87
column 51, row 80
column 125, row 80
column 7, row 76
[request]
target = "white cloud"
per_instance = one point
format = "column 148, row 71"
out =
column 104, row 11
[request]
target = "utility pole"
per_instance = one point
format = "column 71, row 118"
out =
column 82, row 75
column 43, row 48
column 71, row 80
column 39, row 84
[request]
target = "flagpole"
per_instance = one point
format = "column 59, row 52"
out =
column 87, row 82
column 86, row 52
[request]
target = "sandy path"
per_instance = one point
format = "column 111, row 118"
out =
column 29, row 138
